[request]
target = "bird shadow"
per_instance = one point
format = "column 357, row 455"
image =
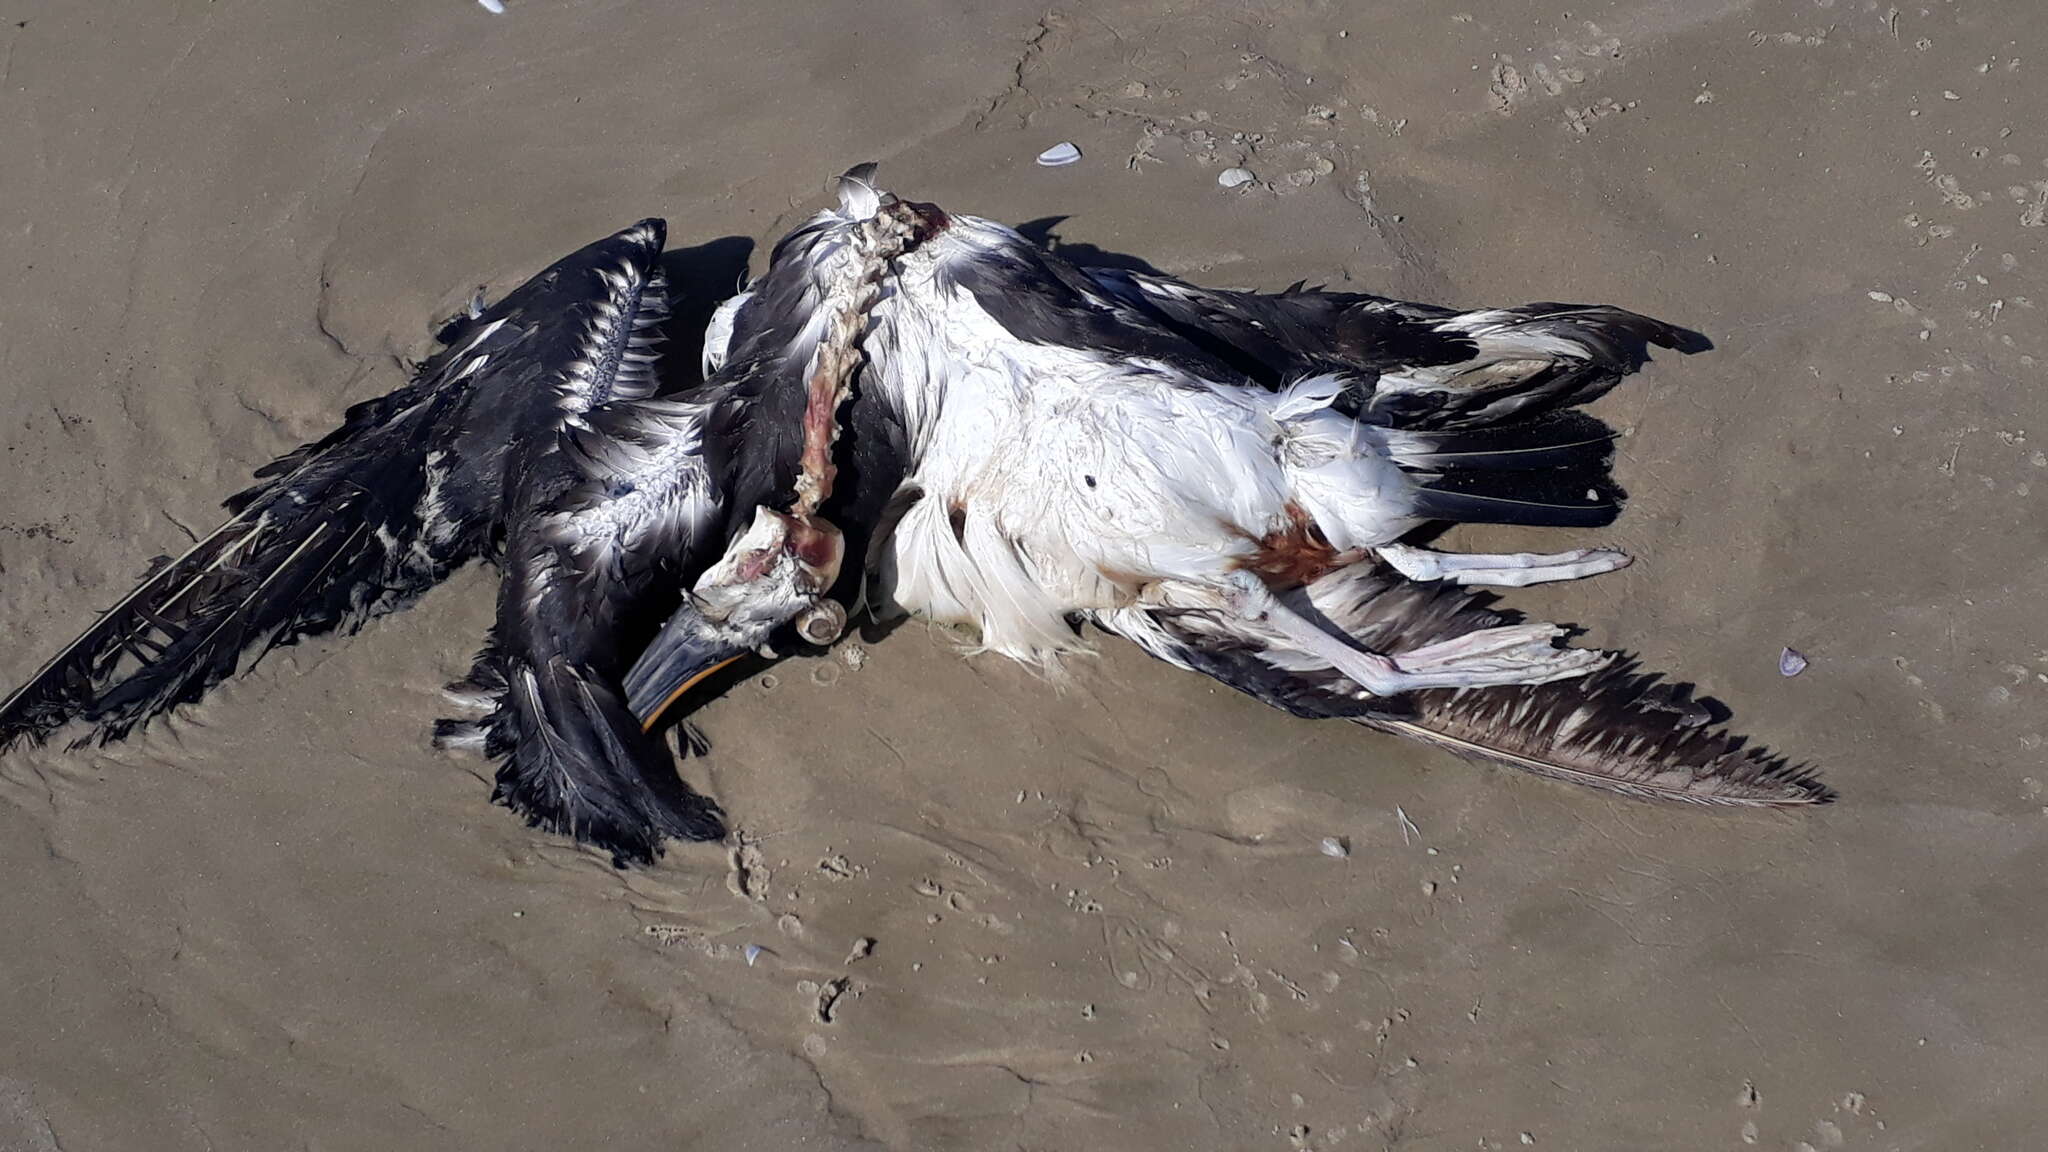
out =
column 1044, row 232
column 700, row 278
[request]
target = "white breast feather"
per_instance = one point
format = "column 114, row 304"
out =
column 1082, row 474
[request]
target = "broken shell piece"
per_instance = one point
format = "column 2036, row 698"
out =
column 1791, row 662
column 1336, row 847
column 1059, row 155
column 1235, row 177
column 493, row 7
column 753, row 953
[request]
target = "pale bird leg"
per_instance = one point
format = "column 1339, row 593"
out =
column 1508, row 570
column 1490, row 657
column 1513, row 654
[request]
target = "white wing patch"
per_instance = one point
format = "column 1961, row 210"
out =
column 616, row 356
column 1510, row 348
column 647, row 491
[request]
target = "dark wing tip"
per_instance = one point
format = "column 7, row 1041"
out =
column 1683, row 340
column 23, row 732
column 1801, row 783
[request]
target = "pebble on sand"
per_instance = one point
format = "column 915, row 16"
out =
column 1235, row 177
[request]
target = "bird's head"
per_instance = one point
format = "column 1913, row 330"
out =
column 780, row 566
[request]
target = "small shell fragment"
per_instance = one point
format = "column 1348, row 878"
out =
column 1791, row 662
column 1059, row 155
column 753, row 951
column 495, row 7
column 1235, row 177
column 1336, row 847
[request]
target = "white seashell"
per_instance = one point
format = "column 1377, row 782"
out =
column 1059, row 155
column 495, row 7
column 753, row 951
column 1235, row 177
column 1791, row 662
column 1336, row 847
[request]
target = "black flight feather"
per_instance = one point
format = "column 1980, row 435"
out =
column 1619, row 729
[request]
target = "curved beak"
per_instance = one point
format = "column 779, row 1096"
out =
column 685, row 654
column 778, row 570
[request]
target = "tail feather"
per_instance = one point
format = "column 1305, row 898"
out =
column 1531, row 499
column 341, row 531
column 1551, row 471
column 1558, row 441
column 1619, row 729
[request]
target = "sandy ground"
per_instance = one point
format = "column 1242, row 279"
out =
column 1099, row 919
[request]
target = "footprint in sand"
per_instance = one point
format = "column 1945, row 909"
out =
column 1842, row 1125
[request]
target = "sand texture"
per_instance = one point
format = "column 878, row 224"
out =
column 993, row 915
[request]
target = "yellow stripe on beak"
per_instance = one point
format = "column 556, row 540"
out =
column 682, row 689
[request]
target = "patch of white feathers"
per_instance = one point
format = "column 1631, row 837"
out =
column 1059, row 480
column 616, row 357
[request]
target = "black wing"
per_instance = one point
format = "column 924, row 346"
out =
column 1618, row 729
column 651, row 492
column 573, row 759
column 1040, row 298
column 358, row 523
column 1412, row 365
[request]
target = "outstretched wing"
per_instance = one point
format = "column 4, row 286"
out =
column 1619, row 728
column 362, row 521
column 1412, row 365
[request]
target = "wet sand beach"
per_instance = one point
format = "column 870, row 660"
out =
column 993, row 914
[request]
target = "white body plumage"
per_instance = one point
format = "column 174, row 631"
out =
column 1059, row 479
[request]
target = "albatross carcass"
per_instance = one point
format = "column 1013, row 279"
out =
column 1230, row 480
column 1227, row 479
